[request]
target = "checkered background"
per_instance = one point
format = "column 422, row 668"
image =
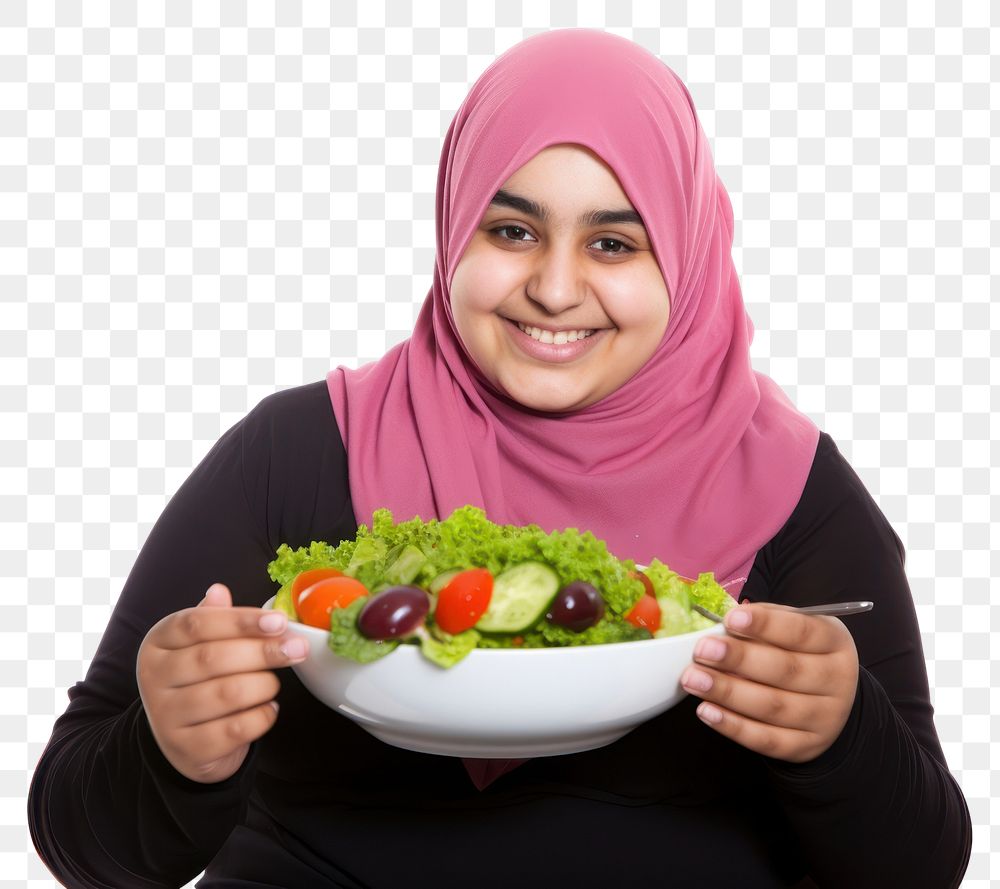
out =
column 201, row 205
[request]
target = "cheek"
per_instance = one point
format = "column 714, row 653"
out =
column 480, row 285
column 639, row 305
column 474, row 297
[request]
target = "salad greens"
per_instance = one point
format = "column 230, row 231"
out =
column 428, row 554
column 346, row 641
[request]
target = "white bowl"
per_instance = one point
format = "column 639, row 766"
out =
column 503, row 703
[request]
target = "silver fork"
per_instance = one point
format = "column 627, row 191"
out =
column 835, row 608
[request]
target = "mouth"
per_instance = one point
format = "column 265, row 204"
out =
column 553, row 346
column 556, row 337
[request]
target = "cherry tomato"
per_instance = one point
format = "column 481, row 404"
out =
column 646, row 582
column 462, row 602
column 319, row 599
column 645, row 613
column 307, row 578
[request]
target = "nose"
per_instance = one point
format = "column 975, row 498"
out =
column 557, row 281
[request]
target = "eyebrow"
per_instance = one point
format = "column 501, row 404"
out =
column 590, row 218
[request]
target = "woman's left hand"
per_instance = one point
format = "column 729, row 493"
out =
column 782, row 686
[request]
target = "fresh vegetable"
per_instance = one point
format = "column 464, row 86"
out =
column 675, row 594
column 442, row 580
column 283, row 601
column 709, row 595
column 320, row 598
column 446, row 650
column 462, row 601
column 520, row 596
column 454, row 585
column 602, row 633
column 406, row 566
column 307, row 578
column 646, row 613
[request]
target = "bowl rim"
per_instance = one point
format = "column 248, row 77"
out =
column 322, row 637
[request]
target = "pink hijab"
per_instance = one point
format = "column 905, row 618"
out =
column 697, row 460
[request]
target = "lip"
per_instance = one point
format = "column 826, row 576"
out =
column 550, row 352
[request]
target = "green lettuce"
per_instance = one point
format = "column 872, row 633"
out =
column 601, row 633
column 445, row 649
column 709, row 595
column 289, row 563
column 675, row 597
column 368, row 561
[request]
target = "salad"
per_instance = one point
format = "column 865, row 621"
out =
column 464, row 582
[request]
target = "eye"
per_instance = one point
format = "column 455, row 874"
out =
column 624, row 248
column 511, row 229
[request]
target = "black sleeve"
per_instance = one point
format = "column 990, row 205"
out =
column 879, row 807
column 105, row 807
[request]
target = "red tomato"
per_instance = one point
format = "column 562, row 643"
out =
column 462, row 602
column 307, row 578
column 645, row 613
column 319, row 599
column 646, row 582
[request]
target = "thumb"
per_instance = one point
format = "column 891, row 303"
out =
column 218, row 595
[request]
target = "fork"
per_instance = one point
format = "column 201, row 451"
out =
column 834, row 608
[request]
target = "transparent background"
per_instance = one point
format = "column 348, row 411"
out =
column 201, row 203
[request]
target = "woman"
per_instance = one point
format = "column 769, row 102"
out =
column 577, row 201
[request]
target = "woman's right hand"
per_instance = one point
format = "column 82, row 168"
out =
column 206, row 680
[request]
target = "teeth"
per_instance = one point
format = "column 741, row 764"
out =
column 558, row 339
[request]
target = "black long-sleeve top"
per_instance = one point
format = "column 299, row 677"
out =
column 319, row 802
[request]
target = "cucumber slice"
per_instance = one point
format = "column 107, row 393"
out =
column 405, row 566
column 442, row 580
column 520, row 596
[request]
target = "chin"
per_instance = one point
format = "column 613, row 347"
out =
column 550, row 403
column 541, row 391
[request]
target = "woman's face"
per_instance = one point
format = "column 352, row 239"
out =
column 557, row 307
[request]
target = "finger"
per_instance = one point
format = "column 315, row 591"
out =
column 205, row 624
column 770, row 665
column 218, row 595
column 220, row 737
column 227, row 657
column 787, row 744
column 760, row 703
column 785, row 627
column 217, row 698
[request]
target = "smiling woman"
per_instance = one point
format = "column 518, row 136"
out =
column 588, row 211
column 556, row 302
